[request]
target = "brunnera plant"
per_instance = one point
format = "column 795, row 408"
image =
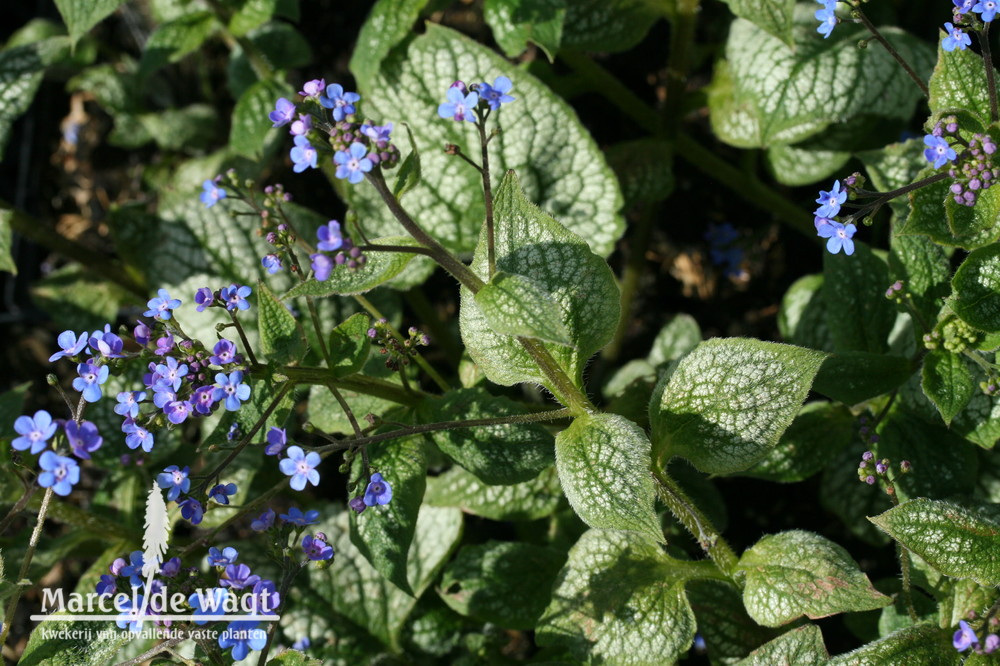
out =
column 257, row 455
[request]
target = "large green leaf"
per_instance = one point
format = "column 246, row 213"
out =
column 977, row 289
column 679, row 336
column 82, row 15
column 802, row 318
column 947, row 381
column 516, row 305
column 619, row 600
column 251, row 14
column 934, row 213
column 506, row 583
column 532, row 244
column 383, row 533
column 529, row 500
column 800, row 573
column 21, row 70
column 959, row 84
column 349, row 345
column 923, row 267
column 958, row 541
column 728, row 631
column 767, row 92
column 75, row 647
column 923, row 643
column 388, row 24
column 609, row 26
column 516, row 22
column 604, row 467
column 498, row 454
column 858, row 314
column 772, row 16
column 281, row 337
column 802, row 646
column 173, row 40
column 728, row 402
column 894, row 166
column 645, row 169
column 561, row 168
column 853, row 377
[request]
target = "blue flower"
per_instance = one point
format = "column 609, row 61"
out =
column 220, row 493
column 988, row 9
column 128, row 403
column 223, row 353
column 107, row 585
column 378, row 134
column 90, row 380
column 341, row 102
column 171, row 567
column 303, row 155
column 301, row 467
column 69, row 345
column 830, row 201
column 496, row 94
column 242, row 637
column 203, row 298
column 264, row 521
column 191, row 510
column 313, row 88
column 827, row 18
column 211, row 196
column 296, row 517
column 161, row 306
column 137, row 436
column 231, row 389
column 302, row 644
column 238, row 576
column 223, row 558
column 380, row 492
column 459, row 105
column 322, row 266
column 955, row 38
column 330, row 237
column 177, row 411
column 133, row 569
column 34, row 431
column 58, row 473
column 174, row 480
column 265, row 597
column 352, row 163
column 129, row 615
column 963, row 6
column 316, row 548
column 83, row 438
column 271, row 262
column 209, row 602
column 202, row 399
column 235, row 297
column 840, row 237
column 301, row 126
column 170, row 374
column 106, row 343
column 276, row 440
column 965, row 637
column 284, row 113
column 938, row 151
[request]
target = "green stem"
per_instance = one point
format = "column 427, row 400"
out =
column 292, row 570
column 36, row 535
column 243, row 338
column 537, row 417
column 237, row 517
column 357, row 383
column 491, row 259
column 892, row 51
column 991, row 83
column 346, row 408
column 560, row 384
column 696, row 523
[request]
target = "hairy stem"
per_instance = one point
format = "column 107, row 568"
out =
column 243, row 337
column 991, row 83
column 36, row 535
column 491, row 258
column 347, row 409
column 890, row 49
column 358, row 383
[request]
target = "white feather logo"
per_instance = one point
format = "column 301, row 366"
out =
column 154, row 541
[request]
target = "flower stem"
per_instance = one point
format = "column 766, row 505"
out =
column 991, row 83
column 892, row 51
column 36, row 535
column 885, row 197
column 696, row 523
column 491, row 259
column 243, row 337
column 347, row 409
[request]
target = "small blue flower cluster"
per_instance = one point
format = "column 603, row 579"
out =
column 839, row 235
column 965, row 638
column 335, row 249
column 465, row 101
column 955, row 35
column 827, row 17
column 972, row 171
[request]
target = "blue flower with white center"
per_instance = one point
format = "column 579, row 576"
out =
column 352, row 163
column 830, row 201
column 963, row 6
column 965, row 637
column 170, row 374
column 301, row 467
column 106, row 343
column 174, row 480
column 191, row 510
column 238, row 577
column 284, row 113
column 378, row 491
column 276, row 440
column 839, row 237
column 34, row 432
column 161, row 306
column 296, row 517
column 938, row 151
column 496, row 94
column 231, row 389
column 955, row 38
column 459, row 105
column 221, row 492
column 235, row 297
column 128, row 403
column 58, row 473
column 90, row 380
column 341, row 102
column 330, row 237
column 211, row 195
column 303, row 155
column 242, row 636
column 988, row 9
column 133, row 569
column 271, row 262
column 83, row 438
column 69, row 345
column 138, row 437
column 209, row 602
column 316, row 549
column 222, row 558
column 827, row 18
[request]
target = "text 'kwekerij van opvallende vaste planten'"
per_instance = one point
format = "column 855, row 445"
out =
column 434, row 332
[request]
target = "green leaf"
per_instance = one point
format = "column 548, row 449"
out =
column 923, row 267
column 767, row 92
column 722, row 620
column 819, row 432
column 506, row 583
column 529, row 500
column 608, row 26
column 78, row 299
column 387, row 25
column 800, row 573
column 772, row 16
column 619, row 600
column 802, row 318
column 12, row 406
column 958, row 541
column 679, row 336
column 802, row 646
column 190, row 127
column 357, row 591
column 802, row 165
column 853, row 377
column 518, row 306
column 263, row 391
column 894, row 166
column 728, row 402
column 947, row 381
column 173, row 40
column 976, row 287
column 280, row 336
column 251, row 126
column 497, row 454
column 645, row 169
column 562, row 169
column 21, row 70
column 603, row 462
column 934, row 213
column 278, row 43
column 251, row 14
column 96, row 649
column 82, row 15
column 516, row 22
column 379, row 267
column 851, row 500
column 923, row 643
column 350, row 345
column 959, row 84
column 7, row 262
column 382, row 534
column 529, row 242
column 290, row 657
column 409, row 174
column 858, row 314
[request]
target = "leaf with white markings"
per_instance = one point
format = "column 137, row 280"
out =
column 603, row 462
column 728, row 402
column 530, row 500
column 516, row 305
column 516, row 22
column 802, row 646
column 800, row 573
column 959, row 84
column 977, row 289
column 82, row 15
column 923, row 643
column 947, row 381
